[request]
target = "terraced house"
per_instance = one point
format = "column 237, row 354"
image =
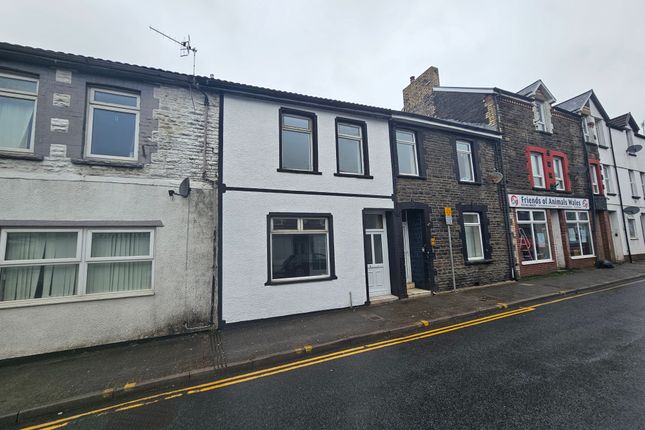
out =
column 545, row 166
column 99, row 243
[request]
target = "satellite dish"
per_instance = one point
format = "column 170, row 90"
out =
column 495, row 177
column 631, row 210
column 633, row 149
column 184, row 189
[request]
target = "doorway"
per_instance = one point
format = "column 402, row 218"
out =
column 376, row 255
column 557, row 239
column 616, row 234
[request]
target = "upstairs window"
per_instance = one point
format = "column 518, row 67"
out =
column 593, row 175
column 643, row 184
column 585, row 129
column 609, row 179
column 632, row 184
column 558, row 173
column 600, row 132
column 630, row 138
column 17, row 112
column 113, row 124
column 351, row 148
column 537, row 170
column 631, row 227
column 298, row 141
column 406, row 151
column 465, row 161
column 588, row 129
column 473, row 235
column 542, row 116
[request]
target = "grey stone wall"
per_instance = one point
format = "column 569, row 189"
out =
column 442, row 189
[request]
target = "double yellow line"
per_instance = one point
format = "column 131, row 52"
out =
column 220, row 383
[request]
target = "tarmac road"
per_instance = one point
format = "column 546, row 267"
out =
column 574, row 363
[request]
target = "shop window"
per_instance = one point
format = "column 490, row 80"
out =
column 534, row 242
column 579, row 234
column 300, row 248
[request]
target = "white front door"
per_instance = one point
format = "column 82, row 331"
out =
column 617, row 233
column 406, row 253
column 557, row 237
column 378, row 273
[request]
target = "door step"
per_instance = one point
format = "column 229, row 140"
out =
column 383, row 299
column 415, row 292
column 411, row 285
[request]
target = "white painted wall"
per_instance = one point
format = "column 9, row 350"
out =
column 182, row 274
column 244, row 270
column 251, row 159
column 252, row 155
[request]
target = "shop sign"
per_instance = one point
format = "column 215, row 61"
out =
column 547, row 202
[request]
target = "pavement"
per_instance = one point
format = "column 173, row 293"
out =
column 64, row 382
column 577, row 363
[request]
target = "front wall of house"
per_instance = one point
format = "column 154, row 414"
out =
column 519, row 132
column 57, row 190
column 441, row 189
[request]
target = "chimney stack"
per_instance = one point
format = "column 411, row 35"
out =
column 417, row 94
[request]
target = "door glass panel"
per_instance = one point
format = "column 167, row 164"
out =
column 368, row 246
column 378, row 249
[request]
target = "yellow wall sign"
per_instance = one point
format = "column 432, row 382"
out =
column 447, row 211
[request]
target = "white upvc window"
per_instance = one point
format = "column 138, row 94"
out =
column 593, row 175
column 585, row 129
column 465, row 161
column 643, row 184
column 632, row 183
column 51, row 265
column 608, row 173
column 630, row 138
column 112, row 124
column 631, row 227
column 558, row 173
column 537, row 170
column 534, row 241
column 18, row 99
column 299, row 248
column 473, row 235
column 600, row 132
column 350, row 148
column 297, row 141
column 406, row 151
column 579, row 234
column 540, row 116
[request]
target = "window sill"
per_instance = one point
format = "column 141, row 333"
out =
column 530, row 263
column 603, row 146
column 636, row 197
column 548, row 133
column 74, row 299
column 469, row 182
column 304, row 172
column 301, row 281
column 582, row 257
column 21, row 156
column 591, row 143
column 539, row 189
column 612, row 194
column 349, row 175
column 410, row 177
column 561, row 191
column 107, row 163
column 478, row 262
column 631, row 154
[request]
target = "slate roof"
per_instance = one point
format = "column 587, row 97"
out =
column 577, row 103
column 532, row 89
column 624, row 121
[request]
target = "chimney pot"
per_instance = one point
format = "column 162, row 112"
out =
column 412, row 78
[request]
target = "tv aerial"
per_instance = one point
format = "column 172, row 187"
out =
column 185, row 47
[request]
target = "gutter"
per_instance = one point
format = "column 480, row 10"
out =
column 620, row 195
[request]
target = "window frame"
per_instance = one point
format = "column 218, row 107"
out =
column 313, row 150
column 471, row 158
column 82, row 259
column 609, row 178
column 577, row 222
column 542, row 168
column 600, row 133
column 415, row 145
column 331, row 267
column 558, row 160
column 632, row 184
column 92, row 105
column 642, row 176
column 593, row 177
column 629, row 218
column 363, row 145
column 25, row 96
column 540, row 120
column 481, row 235
column 532, row 222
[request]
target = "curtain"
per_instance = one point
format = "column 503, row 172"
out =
column 107, row 277
column 29, row 282
column 16, row 116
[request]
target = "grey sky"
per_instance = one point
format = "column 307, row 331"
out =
column 362, row 51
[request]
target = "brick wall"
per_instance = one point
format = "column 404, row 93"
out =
column 442, row 189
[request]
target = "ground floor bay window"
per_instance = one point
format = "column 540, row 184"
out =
column 533, row 238
column 37, row 264
column 300, row 248
column 579, row 234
